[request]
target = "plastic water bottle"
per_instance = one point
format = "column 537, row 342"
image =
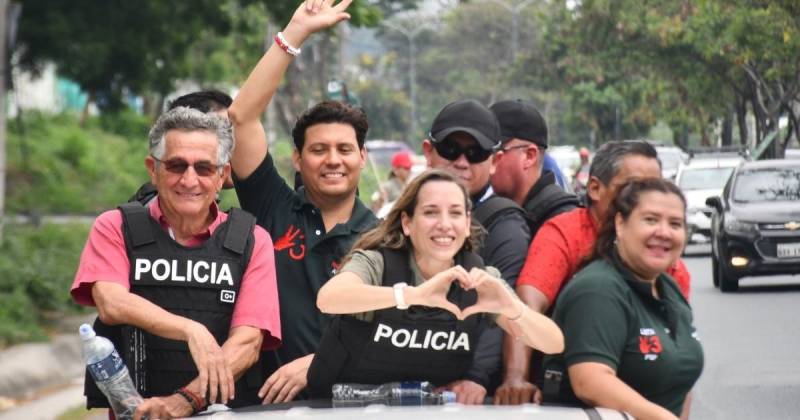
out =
column 392, row 393
column 109, row 373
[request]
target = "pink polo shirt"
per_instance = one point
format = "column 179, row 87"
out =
column 104, row 259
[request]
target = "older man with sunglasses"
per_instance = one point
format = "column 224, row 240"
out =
column 462, row 139
column 191, row 288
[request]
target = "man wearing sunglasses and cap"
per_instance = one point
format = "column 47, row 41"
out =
column 191, row 286
column 462, row 139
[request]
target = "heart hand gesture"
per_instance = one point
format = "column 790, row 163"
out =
column 494, row 295
column 433, row 292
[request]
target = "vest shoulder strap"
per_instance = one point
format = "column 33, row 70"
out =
column 136, row 223
column 240, row 225
column 493, row 207
column 395, row 267
column 550, row 201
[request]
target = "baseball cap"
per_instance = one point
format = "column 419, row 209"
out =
column 468, row 116
column 519, row 119
column 401, row 160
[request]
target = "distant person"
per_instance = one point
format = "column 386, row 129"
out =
column 582, row 172
column 192, row 286
column 315, row 226
column 550, row 164
column 631, row 341
column 565, row 241
column 452, row 298
column 398, row 178
column 462, row 138
column 210, row 101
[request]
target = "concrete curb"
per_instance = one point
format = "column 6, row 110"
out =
column 27, row 369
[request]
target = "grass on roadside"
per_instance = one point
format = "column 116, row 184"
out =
column 81, row 413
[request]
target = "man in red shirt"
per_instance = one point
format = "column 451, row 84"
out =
column 563, row 242
column 196, row 283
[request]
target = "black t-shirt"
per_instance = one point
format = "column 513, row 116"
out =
column 305, row 255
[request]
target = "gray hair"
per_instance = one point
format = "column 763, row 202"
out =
column 188, row 119
column 607, row 161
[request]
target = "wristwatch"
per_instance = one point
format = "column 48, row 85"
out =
column 399, row 297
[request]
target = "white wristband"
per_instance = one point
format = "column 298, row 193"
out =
column 284, row 44
column 399, row 296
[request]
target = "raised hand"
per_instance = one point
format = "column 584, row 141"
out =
column 214, row 374
column 315, row 15
column 433, row 292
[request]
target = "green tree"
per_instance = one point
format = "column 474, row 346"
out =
column 115, row 47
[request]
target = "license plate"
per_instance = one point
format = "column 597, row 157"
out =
column 789, row 250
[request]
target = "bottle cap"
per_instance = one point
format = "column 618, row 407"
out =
column 448, row 397
column 87, row 332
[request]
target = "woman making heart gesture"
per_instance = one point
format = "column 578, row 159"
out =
column 413, row 299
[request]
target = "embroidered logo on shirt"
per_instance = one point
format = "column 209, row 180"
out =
column 649, row 343
column 297, row 250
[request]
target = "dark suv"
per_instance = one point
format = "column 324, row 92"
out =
column 755, row 228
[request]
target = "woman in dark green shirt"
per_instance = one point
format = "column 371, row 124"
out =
column 630, row 342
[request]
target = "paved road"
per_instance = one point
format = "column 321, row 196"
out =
column 751, row 341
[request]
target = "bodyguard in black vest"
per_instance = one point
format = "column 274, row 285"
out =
column 414, row 301
column 519, row 176
column 186, row 292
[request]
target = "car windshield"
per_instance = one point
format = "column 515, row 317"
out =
column 767, row 184
column 704, row 178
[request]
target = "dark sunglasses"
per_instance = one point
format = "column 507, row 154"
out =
column 179, row 166
column 451, row 150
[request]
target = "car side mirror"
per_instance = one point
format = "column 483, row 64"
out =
column 715, row 203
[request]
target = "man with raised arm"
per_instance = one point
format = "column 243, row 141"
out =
column 315, row 226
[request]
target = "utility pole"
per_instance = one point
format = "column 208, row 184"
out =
column 3, row 40
column 514, row 10
column 411, row 35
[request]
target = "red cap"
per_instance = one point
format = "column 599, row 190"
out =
column 401, row 160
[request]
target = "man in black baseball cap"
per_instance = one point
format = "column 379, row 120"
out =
column 461, row 140
column 519, row 175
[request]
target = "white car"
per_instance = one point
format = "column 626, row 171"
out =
column 671, row 159
column 304, row 410
column 701, row 178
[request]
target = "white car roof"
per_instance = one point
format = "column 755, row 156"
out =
column 713, row 162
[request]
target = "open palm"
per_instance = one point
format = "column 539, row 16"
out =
column 315, row 15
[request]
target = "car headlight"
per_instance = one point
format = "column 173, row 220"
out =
column 733, row 224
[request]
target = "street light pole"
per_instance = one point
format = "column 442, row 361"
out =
column 411, row 36
column 3, row 70
column 514, row 9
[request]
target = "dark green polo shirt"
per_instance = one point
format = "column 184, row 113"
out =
column 609, row 316
column 305, row 255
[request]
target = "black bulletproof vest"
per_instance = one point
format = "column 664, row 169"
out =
column 419, row 343
column 199, row 283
